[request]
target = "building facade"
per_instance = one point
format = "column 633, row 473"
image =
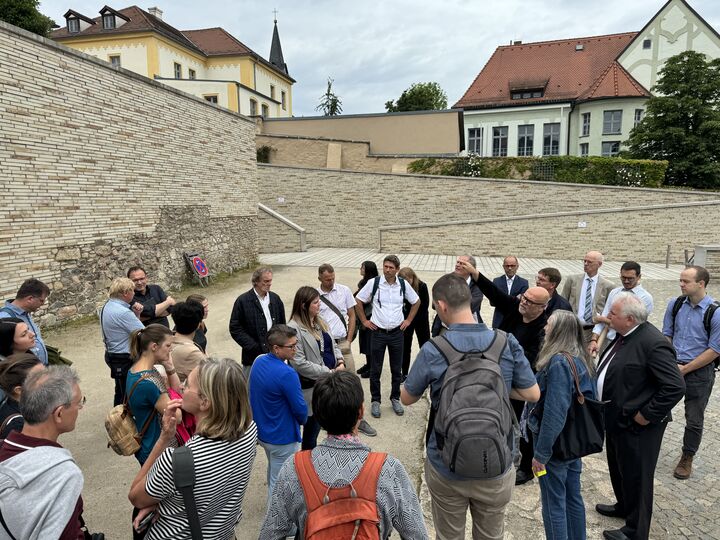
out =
column 578, row 97
column 209, row 63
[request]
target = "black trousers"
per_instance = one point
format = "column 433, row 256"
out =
column 310, row 433
column 422, row 331
column 632, row 456
column 393, row 342
column 119, row 365
column 526, row 447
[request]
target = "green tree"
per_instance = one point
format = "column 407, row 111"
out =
column 25, row 14
column 682, row 122
column 419, row 97
column 330, row 104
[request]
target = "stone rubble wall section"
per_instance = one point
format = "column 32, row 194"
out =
column 354, row 205
column 102, row 168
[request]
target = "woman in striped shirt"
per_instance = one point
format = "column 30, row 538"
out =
column 223, row 449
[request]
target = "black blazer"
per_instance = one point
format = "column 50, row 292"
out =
column 248, row 326
column 644, row 377
column 519, row 286
column 557, row 302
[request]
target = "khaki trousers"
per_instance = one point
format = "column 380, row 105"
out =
column 487, row 500
column 346, row 351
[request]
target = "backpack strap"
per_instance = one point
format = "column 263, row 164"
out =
column 366, row 482
column 8, row 311
column 376, row 285
column 676, row 308
column 335, row 310
column 9, row 420
column 402, row 287
column 126, row 404
column 183, row 465
column 313, row 488
column 707, row 318
column 452, row 355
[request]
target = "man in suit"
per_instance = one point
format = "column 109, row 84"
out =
column 510, row 283
column 476, row 295
column 253, row 314
column 588, row 292
column 549, row 279
column 639, row 378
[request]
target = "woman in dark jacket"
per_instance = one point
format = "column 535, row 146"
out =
column 368, row 271
column 563, row 509
column 13, row 372
column 421, row 323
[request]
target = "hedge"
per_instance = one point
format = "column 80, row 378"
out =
column 611, row 171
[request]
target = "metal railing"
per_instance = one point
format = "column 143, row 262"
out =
column 272, row 213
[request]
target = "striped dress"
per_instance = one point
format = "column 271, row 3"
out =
column 222, row 472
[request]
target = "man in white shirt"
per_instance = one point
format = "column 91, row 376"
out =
column 387, row 293
column 337, row 308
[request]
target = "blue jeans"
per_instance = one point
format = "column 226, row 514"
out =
column 563, row 510
column 277, row 454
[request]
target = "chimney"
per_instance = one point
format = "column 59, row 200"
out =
column 155, row 12
column 517, row 42
column 579, row 47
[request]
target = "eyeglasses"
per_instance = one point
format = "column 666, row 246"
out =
column 82, row 402
column 524, row 298
column 293, row 346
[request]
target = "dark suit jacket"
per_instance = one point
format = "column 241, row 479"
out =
column 644, row 377
column 248, row 326
column 557, row 302
column 476, row 298
column 519, row 286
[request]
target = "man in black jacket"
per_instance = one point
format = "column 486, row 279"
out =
column 475, row 292
column 638, row 375
column 253, row 314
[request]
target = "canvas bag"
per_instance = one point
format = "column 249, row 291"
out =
column 123, row 436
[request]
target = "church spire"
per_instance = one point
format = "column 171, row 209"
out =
column 276, row 55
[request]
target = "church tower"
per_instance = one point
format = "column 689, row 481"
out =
column 276, row 54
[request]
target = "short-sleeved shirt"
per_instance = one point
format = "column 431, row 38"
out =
column 688, row 331
column 222, row 472
column 387, row 304
column 117, row 322
column 153, row 296
column 142, row 404
column 429, row 368
column 638, row 291
column 342, row 298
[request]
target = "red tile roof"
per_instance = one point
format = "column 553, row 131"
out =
column 565, row 74
column 216, row 41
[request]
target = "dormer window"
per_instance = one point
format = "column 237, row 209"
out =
column 108, row 21
column 73, row 25
column 527, row 94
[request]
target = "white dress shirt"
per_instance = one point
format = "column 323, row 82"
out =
column 637, row 290
column 388, row 302
column 341, row 297
column 509, row 282
column 601, row 374
column 583, row 290
column 265, row 305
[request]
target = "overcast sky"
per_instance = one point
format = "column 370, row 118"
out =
column 374, row 49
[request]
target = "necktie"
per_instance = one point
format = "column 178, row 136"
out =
column 609, row 356
column 587, row 315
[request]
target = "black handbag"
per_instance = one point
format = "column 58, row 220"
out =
column 584, row 430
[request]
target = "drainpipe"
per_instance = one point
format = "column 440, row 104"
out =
column 572, row 108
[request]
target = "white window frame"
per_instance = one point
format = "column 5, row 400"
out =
column 177, row 70
column 192, row 74
column 475, row 140
column 639, row 115
column 551, row 139
column 608, row 151
column 73, row 25
column 115, row 60
column 500, row 136
column 586, row 119
column 526, row 150
column 584, row 149
column 108, row 21
column 612, row 122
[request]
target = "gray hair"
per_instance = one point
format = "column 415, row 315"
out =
column 565, row 336
column 631, row 306
column 45, row 391
column 258, row 274
column 471, row 260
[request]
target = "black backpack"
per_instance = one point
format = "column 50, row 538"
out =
column 707, row 318
column 473, row 420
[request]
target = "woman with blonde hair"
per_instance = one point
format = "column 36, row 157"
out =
column 563, row 509
column 223, row 449
column 316, row 353
column 421, row 323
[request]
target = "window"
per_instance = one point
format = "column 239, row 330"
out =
column 526, row 134
column 265, row 111
column 178, row 70
column 73, row 26
column 283, row 100
column 585, row 124
column 526, row 94
column 612, row 122
column 475, row 140
column 500, row 141
column 610, row 148
column 639, row 115
column 647, row 43
column 272, row 91
column 584, row 149
column 551, row 139
column 211, row 98
column 253, row 107
column 108, row 21
column 191, row 73
column 115, row 60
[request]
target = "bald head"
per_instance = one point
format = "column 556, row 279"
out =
column 538, row 295
column 532, row 303
column 592, row 262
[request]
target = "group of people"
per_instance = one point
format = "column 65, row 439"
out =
column 297, row 376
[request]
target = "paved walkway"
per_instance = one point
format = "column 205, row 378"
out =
column 352, row 258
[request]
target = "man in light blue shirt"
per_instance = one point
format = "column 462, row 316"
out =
column 30, row 297
column 117, row 322
column 696, row 349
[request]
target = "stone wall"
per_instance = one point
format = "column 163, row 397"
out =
column 101, row 169
column 351, row 208
column 274, row 236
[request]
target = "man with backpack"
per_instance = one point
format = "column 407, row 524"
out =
column 387, row 293
column 341, row 489
column 472, row 372
column 692, row 324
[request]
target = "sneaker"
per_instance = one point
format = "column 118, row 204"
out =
column 366, row 429
column 397, row 407
column 375, row 409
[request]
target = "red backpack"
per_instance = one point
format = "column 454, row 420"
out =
column 345, row 513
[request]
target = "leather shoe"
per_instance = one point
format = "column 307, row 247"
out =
column 521, row 477
column 615, row 534
column 609, row 510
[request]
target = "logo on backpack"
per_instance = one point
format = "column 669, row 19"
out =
column 473, row 419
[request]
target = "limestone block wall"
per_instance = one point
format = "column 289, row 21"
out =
column 102, row 168
column 274, row 236
column 350, row 208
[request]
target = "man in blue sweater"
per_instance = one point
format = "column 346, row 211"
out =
column 277, row 401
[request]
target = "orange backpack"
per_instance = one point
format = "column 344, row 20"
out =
column 345, row 513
